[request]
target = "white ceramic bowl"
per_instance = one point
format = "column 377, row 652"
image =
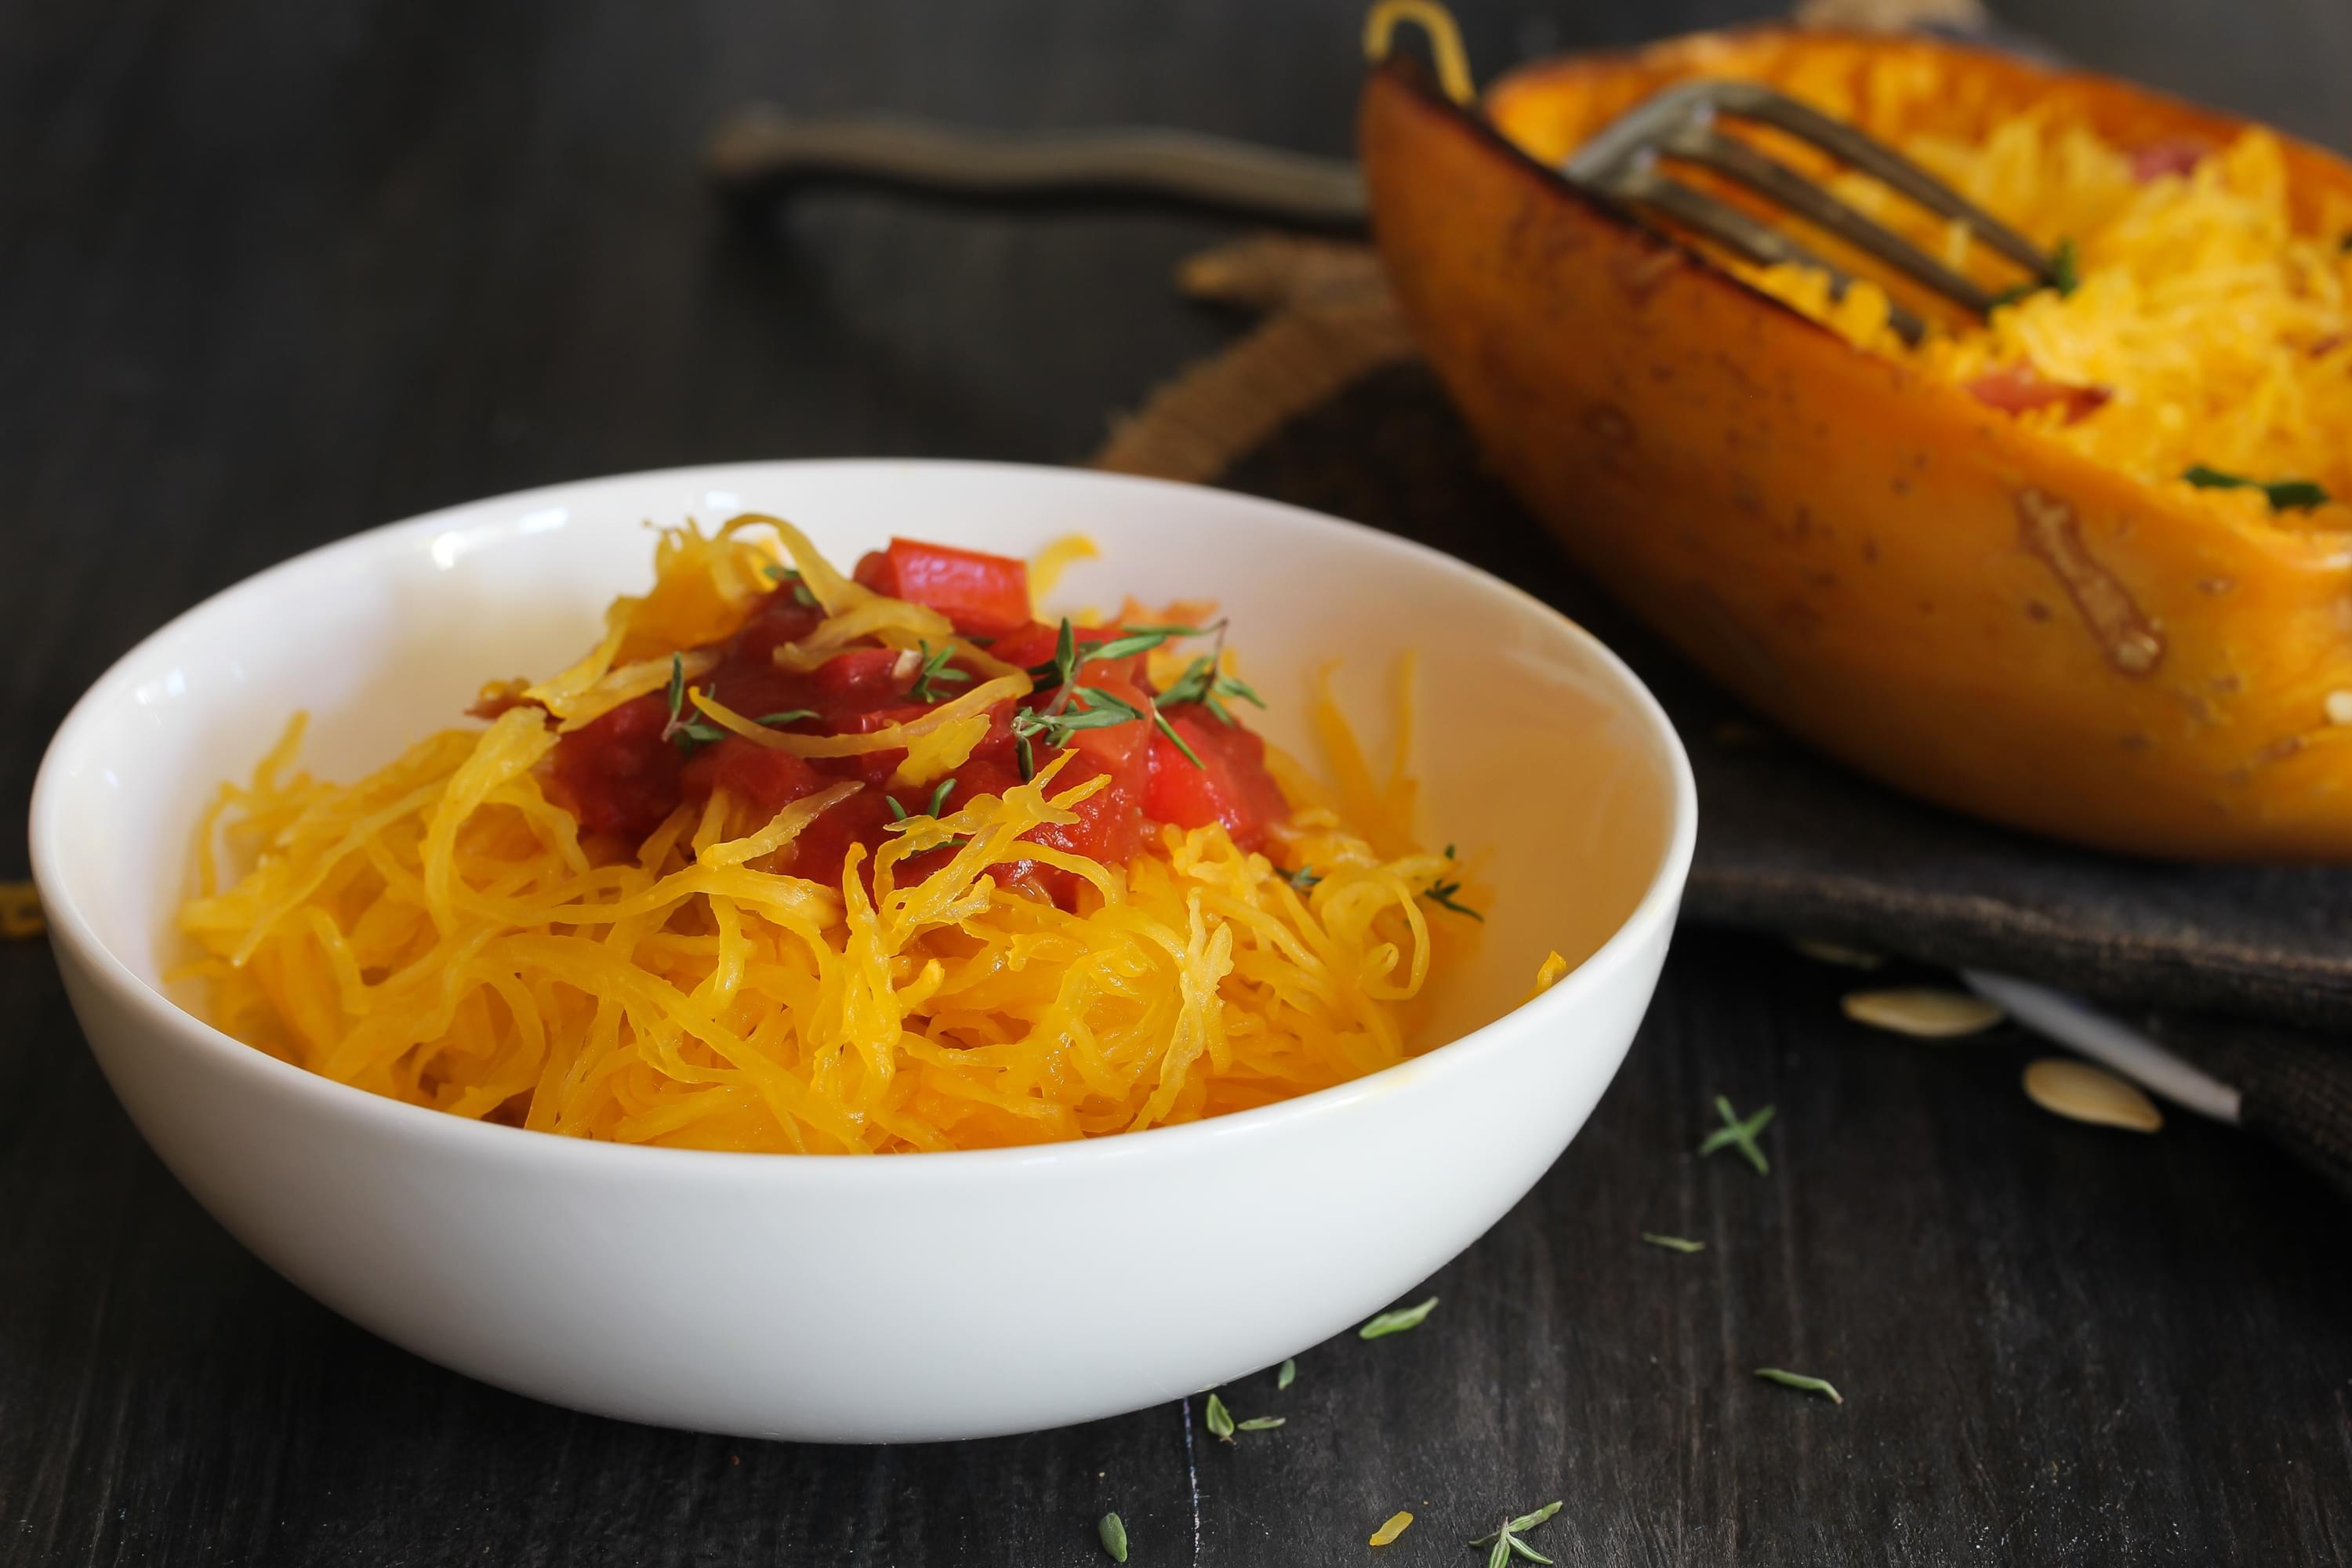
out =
column 914, row 1297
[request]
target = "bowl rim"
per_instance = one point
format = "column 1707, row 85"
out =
column 1657, row 906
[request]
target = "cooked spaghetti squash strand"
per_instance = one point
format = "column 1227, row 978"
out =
column 1046, row 567
column 890, row 737
column 894, row 622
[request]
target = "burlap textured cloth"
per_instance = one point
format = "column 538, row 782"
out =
column 2244, row 969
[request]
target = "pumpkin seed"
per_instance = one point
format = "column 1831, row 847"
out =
column 1835, row 953
column 1923, row 1011
column 2081, row 1092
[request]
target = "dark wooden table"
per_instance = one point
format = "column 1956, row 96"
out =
column 273, row 272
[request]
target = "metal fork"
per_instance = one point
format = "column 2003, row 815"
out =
column 1623, row 163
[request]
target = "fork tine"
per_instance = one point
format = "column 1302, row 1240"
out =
column 1753, row 100
column 1727, row 226
column 1737, row 159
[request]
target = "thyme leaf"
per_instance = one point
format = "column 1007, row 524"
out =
column 935, row 672
column 1674, row 1242
column 1441, row 893
column 1507, row 1542
column 800, row 595
column 1057, row 725
column 1737, row 1134
column 794, row 717
column 1260, row 1422
column 1203, row 683
column 1165, row 728
column 1303, row 878
column 1798, row 1380
column 2285, row 495
column 687, row 732
column 1220, row 1420
column 1112, row 1529
column 2065, row 277
column 1289, row 1374
column 1398, row 1321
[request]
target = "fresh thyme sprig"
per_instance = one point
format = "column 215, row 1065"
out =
column 1058, row 724
column 2285, row 495
column 1441, row 893
column 800, row 595
column 1069, row 652
column 1506, row 1540
column 1737, row 1134
column 686, row 732
column 1202, row 682
column 935, row 672
column 1055, row 723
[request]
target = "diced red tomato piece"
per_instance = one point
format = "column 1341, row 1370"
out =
column 1111, row 822
column 618, row 774
column 780, row 619
column 984, row 595
column 2174, row 155
column 1034, row 643
column 862, row 675
column 2017, row 388
column 1230, row 784
column 1027, row 645
column 762, row 777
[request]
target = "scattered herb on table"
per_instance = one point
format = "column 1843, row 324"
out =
column 1674, row 1242
column 1398, row 1321
column 1113, row 1530
column 1736, row 1134
column 1798, row 1380
column 1506, row 1540
column 1287, row 1375
column 1260, row 1422
column 1219, row 1420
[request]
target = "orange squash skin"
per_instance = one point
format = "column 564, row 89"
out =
column 1911, row 580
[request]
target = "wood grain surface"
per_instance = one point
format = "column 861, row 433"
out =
column 270, row 273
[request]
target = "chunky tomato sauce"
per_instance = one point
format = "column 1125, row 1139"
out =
column 623, row 774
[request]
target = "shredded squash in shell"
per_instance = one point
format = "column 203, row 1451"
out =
column 443, row 932
column 2208, row 328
